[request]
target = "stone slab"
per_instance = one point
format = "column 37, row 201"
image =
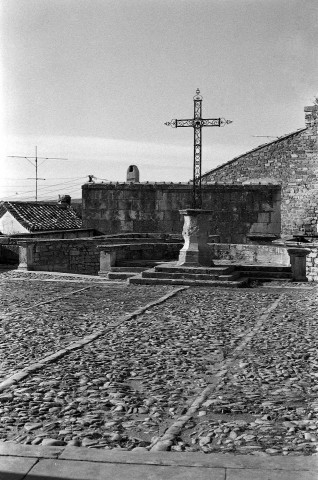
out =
column 193, row 459
column 15, row 468
column 253, row 474
column 72, row 470
column 18, row 450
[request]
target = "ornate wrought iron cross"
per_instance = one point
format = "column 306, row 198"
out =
column 197, row 122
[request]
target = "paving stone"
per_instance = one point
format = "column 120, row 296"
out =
column 15, row 449
column 251, row 474
column 68, row 469
column 14, row 468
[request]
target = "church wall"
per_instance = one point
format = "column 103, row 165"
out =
column 291, row 162
column 143, row 207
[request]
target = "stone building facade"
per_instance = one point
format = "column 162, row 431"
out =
column 292, row 162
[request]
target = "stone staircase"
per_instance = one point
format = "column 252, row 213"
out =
column 265, row 273
column 4, row 267
column 130, row 268
column 152, row 272
column 172, row 274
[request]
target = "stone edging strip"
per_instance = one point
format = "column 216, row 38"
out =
column 166, row 440
column 57, row 298
column 16, row 377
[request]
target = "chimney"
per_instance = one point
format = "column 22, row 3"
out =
column 133, row 174
column 311, row 117
column 64, row 201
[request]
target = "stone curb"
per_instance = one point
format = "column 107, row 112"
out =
column 16, row 377
column 166, row 440
column 216, row 460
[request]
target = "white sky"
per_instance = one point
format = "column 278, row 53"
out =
column 95, row 80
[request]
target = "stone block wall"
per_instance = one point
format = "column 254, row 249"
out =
column 312, row 262
column 72, row 256
column 9, row 249
column 251, row 254
column 292, row 162
column 238, row 210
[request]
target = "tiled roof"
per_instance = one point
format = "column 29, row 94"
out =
column 41, row 216
column 279, row 139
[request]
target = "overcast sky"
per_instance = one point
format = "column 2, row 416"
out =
column 94, row 81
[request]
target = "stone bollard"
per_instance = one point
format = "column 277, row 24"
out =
column 107, row 260
column 298, row 263
column 26, row 256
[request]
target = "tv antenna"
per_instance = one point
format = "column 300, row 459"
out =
column 35, row 164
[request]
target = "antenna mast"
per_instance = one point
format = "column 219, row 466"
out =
column 35, row 164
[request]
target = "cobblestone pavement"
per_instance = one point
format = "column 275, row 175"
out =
column 257, row 348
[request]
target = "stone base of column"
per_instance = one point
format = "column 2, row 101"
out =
column 195, row 251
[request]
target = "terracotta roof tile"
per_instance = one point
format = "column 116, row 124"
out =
column 41, row 216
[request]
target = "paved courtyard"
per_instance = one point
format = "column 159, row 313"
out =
column 169, row 369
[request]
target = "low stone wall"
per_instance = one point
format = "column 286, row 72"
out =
column 9, row 248
column 253, row 254
column 70, row 256
column 266, row 254
column 82, row 255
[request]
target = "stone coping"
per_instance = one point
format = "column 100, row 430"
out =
column 136, row 246
column 30, row 462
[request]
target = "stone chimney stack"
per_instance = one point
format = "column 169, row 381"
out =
column 64, row 201
column 311, row 117
column 133, row 174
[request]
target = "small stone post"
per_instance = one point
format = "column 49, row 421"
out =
column 107, row 260
column 195, row 251
column 25, row 256
column 298, row 263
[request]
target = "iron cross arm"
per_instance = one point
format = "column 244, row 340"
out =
column 199, row 122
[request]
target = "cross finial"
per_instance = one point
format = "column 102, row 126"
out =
column 197, row 95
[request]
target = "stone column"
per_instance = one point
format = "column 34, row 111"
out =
column 195, row 251
column 298, row 263
column 25, row 256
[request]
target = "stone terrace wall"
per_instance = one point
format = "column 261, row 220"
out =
column 291, row 161
column 9, row 249
column 71, row 256
column 237, row 209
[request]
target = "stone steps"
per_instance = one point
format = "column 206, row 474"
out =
column 151, row 272
column 120, row 275
column 265, row 273
column 262, row 267
column 173, row 274
column 6, row 267
column 185, row 275
column 215, row 270
column 140, row 280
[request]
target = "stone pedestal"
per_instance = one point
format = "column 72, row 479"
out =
column 298, row 263
column 195, row 251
